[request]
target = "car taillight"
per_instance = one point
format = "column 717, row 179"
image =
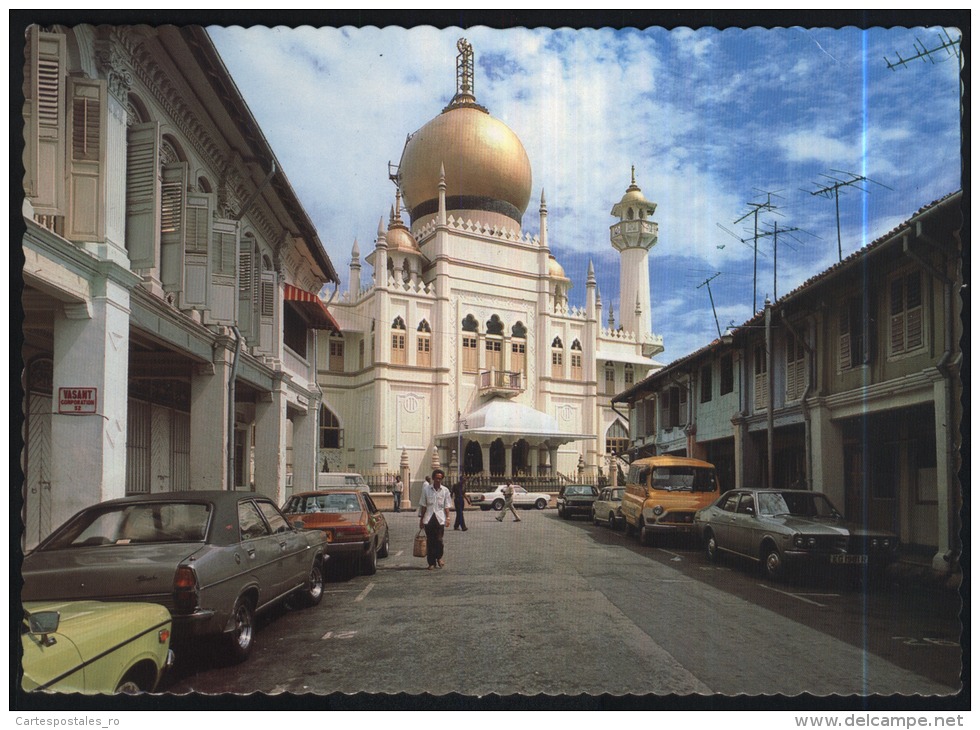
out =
column 352, row 531
column 163, row 636
column 185, row 590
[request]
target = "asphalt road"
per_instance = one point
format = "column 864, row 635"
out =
column 566, row 608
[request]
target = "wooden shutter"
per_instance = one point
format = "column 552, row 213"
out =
column 197, row 244
column 143, row 195
column 897, row 317
column 86, row 179
column 843, row 339
column 45, row 127
column 224, row 279
column 173, row 195
column 913, row 311
column 246, row 289
column 267, row 310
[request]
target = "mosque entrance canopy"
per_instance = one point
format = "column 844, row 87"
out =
column 512, row 422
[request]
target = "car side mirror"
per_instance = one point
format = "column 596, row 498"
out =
column 750, row 511
column 44, row 623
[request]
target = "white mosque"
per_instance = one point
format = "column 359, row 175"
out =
column 462, row 342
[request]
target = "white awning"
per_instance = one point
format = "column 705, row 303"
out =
column 501, row 418
column 602, row 356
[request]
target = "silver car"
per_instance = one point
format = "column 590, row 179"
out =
column 786, row 528
column 213, row 559
column 607, row 507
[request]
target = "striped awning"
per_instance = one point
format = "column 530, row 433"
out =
column 311, row 306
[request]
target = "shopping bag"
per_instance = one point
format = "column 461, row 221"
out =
column 421, row 545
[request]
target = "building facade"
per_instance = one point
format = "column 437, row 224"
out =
column 169, row 281
column 849, row 385
column 461, row 349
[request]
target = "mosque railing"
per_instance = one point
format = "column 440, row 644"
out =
column 507, row 383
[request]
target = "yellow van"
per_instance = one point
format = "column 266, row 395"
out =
column 663, row 493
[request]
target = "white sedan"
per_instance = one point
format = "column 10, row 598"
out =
column 522, row 498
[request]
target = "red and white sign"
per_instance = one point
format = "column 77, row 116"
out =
column 77, row 400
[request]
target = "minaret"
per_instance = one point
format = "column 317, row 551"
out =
column 633, row 236
column 355, row 271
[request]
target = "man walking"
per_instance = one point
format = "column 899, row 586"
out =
column 396, row 491
column 459, row 502
column 433, row 517
column 508, row 502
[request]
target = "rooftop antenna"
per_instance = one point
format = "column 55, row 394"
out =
column 776, row 230
column 707, row 283
column 842, row 180
column 946, row 43
column 756, row 208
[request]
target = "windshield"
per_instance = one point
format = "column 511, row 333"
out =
column 796, row 503
column 583, row 491
column 313, row 503
column 141, row 523
column 683, row 479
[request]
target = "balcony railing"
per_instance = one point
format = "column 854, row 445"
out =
column 501, row 382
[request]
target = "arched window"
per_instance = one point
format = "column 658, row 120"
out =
column 575, row 360
column 331, row 434
column 423, row 339
column 494, row 344
column 336, row 344
column 557, row 358
column 628, row 374
column 617, row 438
column 398, row 341
column 471, row 344
column 518, row 347
column 495, row 326
column 610, row 379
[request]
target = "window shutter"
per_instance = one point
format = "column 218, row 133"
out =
column 224, row 279
column 86, row 183
column 197, row 244
column 267, row 311
column 913, row 311
column 844, row 339
column 173, row 194
column 143, row 195
column 44, row 181
column 897, row 317
column 246, row 289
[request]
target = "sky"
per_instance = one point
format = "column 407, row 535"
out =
column 714, row 122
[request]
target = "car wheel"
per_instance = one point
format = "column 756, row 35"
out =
column 595, row 518
column 642, row 533
column 711, row 545
column 369, row 563
column 772, row 563
column 383, row 552
column 128, row 687
column 540, row 504
column 312, row 593
column 612, row 521
column 498, row 504
column 241, row 638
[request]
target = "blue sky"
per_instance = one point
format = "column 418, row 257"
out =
column 711, row 119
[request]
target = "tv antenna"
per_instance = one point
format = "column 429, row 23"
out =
column 841, row 179
column 946, row 43
column 707, row 283
column 756, row 208
column 776, row 230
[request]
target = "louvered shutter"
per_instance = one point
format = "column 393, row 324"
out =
column 267, row 310
column 86, row 183
column 197, row 244
column 224, row 279
column 173, row 194
column 246, row 290
column 45, row 128
column 897, row 317
column 913, row 312
column 843, row 339
column 143, row 195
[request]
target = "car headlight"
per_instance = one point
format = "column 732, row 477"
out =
column 805, row 542
column 658, row 510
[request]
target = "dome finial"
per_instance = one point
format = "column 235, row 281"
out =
column 464, row 74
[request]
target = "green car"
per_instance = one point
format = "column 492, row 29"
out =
column 93, row 647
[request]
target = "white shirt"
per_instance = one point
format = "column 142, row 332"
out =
column 435, row 501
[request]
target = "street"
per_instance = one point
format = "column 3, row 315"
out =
column 565, row 607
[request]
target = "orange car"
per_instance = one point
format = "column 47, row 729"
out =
column 354, row 527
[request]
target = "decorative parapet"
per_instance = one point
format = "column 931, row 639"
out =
column 570, row 312
column 468, row 226
column 618, row 335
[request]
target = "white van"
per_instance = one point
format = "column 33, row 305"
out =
column 341, row 480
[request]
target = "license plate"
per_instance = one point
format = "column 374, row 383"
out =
column 848, row 559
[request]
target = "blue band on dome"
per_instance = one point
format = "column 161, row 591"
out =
column 468, row 202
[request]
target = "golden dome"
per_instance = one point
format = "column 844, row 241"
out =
column 555, row 270
column 633, row 202
column 486, row 165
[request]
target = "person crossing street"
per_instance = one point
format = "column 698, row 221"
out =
column 508, row 502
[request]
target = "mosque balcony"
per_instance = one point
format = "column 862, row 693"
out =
column 633, row 234
column 503, row 383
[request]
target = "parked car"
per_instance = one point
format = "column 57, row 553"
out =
column 93, row 647
column 663, row 493
column 607, row 507
column 576, row 499
column 783, row 529
column 213, row 559
column 355, row 529
column 522, row 498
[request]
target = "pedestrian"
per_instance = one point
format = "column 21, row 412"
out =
column 459, row 502
column 434, row 516
column 508, row 502
column 396, row 491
